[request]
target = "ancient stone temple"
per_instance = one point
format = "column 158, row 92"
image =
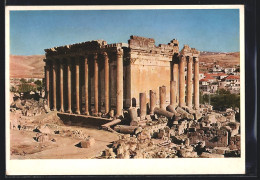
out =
column 93, row 76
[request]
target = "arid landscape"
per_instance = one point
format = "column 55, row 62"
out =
column 32, row 66
column 38, row 133
column 26, row 66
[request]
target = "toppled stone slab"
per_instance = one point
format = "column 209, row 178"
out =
column 184, row 114
column 87, row 143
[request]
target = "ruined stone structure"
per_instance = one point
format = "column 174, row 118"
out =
column 92, row 77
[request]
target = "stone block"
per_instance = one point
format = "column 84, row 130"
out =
column 89, row 142
column 208, row 155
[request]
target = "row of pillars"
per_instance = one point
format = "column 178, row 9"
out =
column 119, row 85
column 178, row 71
column 192, row 84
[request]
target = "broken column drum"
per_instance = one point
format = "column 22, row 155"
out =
column 152, row 101
column 173, row 93
column 162, row 93
column 114, row 74
column 143, row 109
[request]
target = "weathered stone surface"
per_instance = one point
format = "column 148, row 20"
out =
column 197, row 115
column 184, row 114
column 210, row 117
column 208, row 155
column 45, row 129
column 89, row 142
column 220, row 150
column 163, row 112
column 171, row 109
column 40, row 137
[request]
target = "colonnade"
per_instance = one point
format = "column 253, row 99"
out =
column 52, row 65
column 192, row 82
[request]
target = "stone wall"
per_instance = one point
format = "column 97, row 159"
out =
column 150, row 66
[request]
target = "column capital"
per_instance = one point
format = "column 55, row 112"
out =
column 86, row 60
column 119, row 53
column 95, row 55
column 195, row 59
column 182, row 58
column 189, row 59
column 104, row 54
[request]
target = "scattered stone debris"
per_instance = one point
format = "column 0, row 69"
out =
column 174, row 132
column 186, row 133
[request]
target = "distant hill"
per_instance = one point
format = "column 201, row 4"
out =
column 26, row 66
column 33, row 66
column 223, row 59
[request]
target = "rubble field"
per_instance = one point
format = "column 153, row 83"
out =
column 38, row 133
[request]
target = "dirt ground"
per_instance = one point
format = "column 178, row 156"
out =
column 23, row 145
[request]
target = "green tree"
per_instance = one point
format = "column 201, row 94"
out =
column 223, row 91
column 23, row 80
column 31, row 80
column 223, row 101
column 39, row 85
column 24, row 88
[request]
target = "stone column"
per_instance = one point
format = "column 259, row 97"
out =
column 77, row 86
column 69, row 85
column 54, row 81
column 176, row 79
column 96, row 82
column 196, row 83
column 142, row 99
column 152, row 101
column 181, row 82
column 106, row 82
column 189, row 81
column 61, row 87
column 119, row 82
column 173, row 93
column 162, row 92
column 86, row 87
column 48, row 83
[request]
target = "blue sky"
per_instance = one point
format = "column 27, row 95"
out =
column 206, row 30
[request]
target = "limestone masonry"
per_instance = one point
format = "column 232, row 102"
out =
column 95, row 77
